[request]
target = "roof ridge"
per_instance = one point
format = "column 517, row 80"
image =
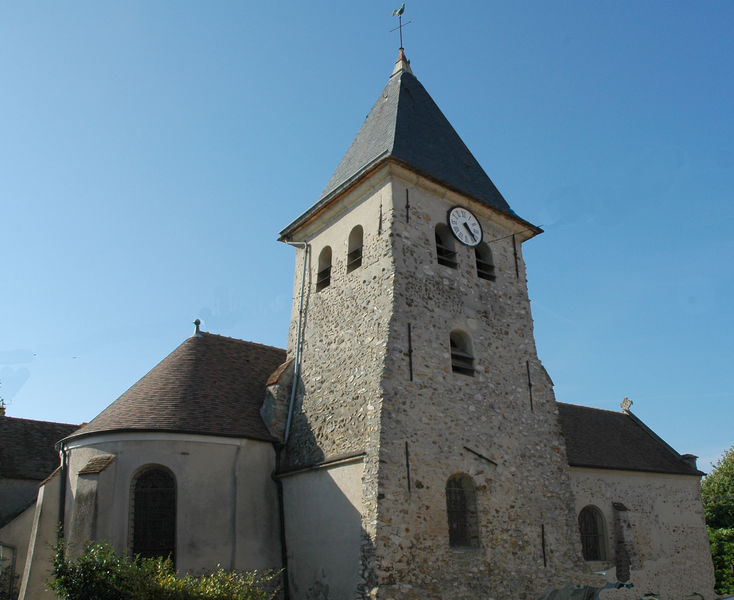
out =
column 234, row 339
column 37, row 421
column 609, row 410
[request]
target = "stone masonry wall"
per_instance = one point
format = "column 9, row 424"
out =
column 443, row 423
column 664, row 530
column 337, row 410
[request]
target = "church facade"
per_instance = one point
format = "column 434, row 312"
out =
column 408, row 443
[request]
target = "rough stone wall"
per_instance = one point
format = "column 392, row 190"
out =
column 664, row 530
column 356, row 395
column 344, row 342
column 443, row 423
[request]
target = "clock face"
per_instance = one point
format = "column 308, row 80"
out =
column 465, row 226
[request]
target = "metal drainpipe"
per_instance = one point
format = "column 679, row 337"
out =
column 61, row 447
column 297, row 358
column 280, row 446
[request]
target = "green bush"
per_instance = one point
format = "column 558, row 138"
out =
column 722, row 551
column 101, row 574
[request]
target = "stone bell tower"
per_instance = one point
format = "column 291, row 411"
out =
column 424, row 457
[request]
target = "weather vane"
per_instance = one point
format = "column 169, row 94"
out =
column 398, row 12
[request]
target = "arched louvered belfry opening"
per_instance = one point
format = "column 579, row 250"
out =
column 461, row 510
column 323, row 275
column 153, row 513
column 593, row 533
column 462, row 357
column 354, row 252
column 485, row 264
column 445, row 246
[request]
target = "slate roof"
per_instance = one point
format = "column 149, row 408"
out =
column 405, row 124
column 616, row 440
column 27, row 447
column 210, row 384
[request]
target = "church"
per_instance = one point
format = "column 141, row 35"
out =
column 406, row 445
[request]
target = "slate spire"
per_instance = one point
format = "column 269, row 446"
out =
column 405, row 124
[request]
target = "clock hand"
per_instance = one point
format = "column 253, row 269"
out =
column 471, row 233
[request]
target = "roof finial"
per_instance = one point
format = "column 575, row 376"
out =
column 626, row 404
column 402, row 64
column 197, row 331
column 398, row 12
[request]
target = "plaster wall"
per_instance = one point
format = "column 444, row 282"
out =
column 43, row 532
column 227, row 510
column 664, row 530
column 16, row 533
column 324, row 531
column 16, row 495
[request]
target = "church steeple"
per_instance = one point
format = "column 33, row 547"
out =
column 406, row 126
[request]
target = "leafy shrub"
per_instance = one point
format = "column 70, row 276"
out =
column 101, row 574
column 722, row 551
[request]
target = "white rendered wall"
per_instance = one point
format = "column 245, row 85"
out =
column 227, row 511
column 324, row 531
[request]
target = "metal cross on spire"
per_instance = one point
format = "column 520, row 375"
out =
column 398, row 12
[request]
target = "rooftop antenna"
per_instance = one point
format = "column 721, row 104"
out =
column 398, row 12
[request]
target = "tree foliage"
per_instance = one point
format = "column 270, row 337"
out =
column 717, row 493
column 101, row 574
column 722, row 552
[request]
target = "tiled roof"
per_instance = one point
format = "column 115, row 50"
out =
column 97, row 464
column 27, row 447
column 406, row 124
column 210, row 384
column 616, row 440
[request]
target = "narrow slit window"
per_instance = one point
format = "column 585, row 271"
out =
column 354, row 252
column 485, row 264
column 323, row 275
column 461, row 511
column 462, row 358
column 154, row 514
column 445, row 247
column 591, row 527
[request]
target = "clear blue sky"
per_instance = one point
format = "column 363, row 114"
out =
column 151, row 151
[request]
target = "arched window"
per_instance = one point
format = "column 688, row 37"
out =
column 485, row 265
column 354, row 253
column 462, row 359
column 461, row 509
column 154, row 513
column 445, row 248
column 591, row 527
column 323, row 275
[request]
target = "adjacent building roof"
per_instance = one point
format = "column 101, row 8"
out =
column 406, row 125
column 27, row 447
column 616, row 440
column 210, row 384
